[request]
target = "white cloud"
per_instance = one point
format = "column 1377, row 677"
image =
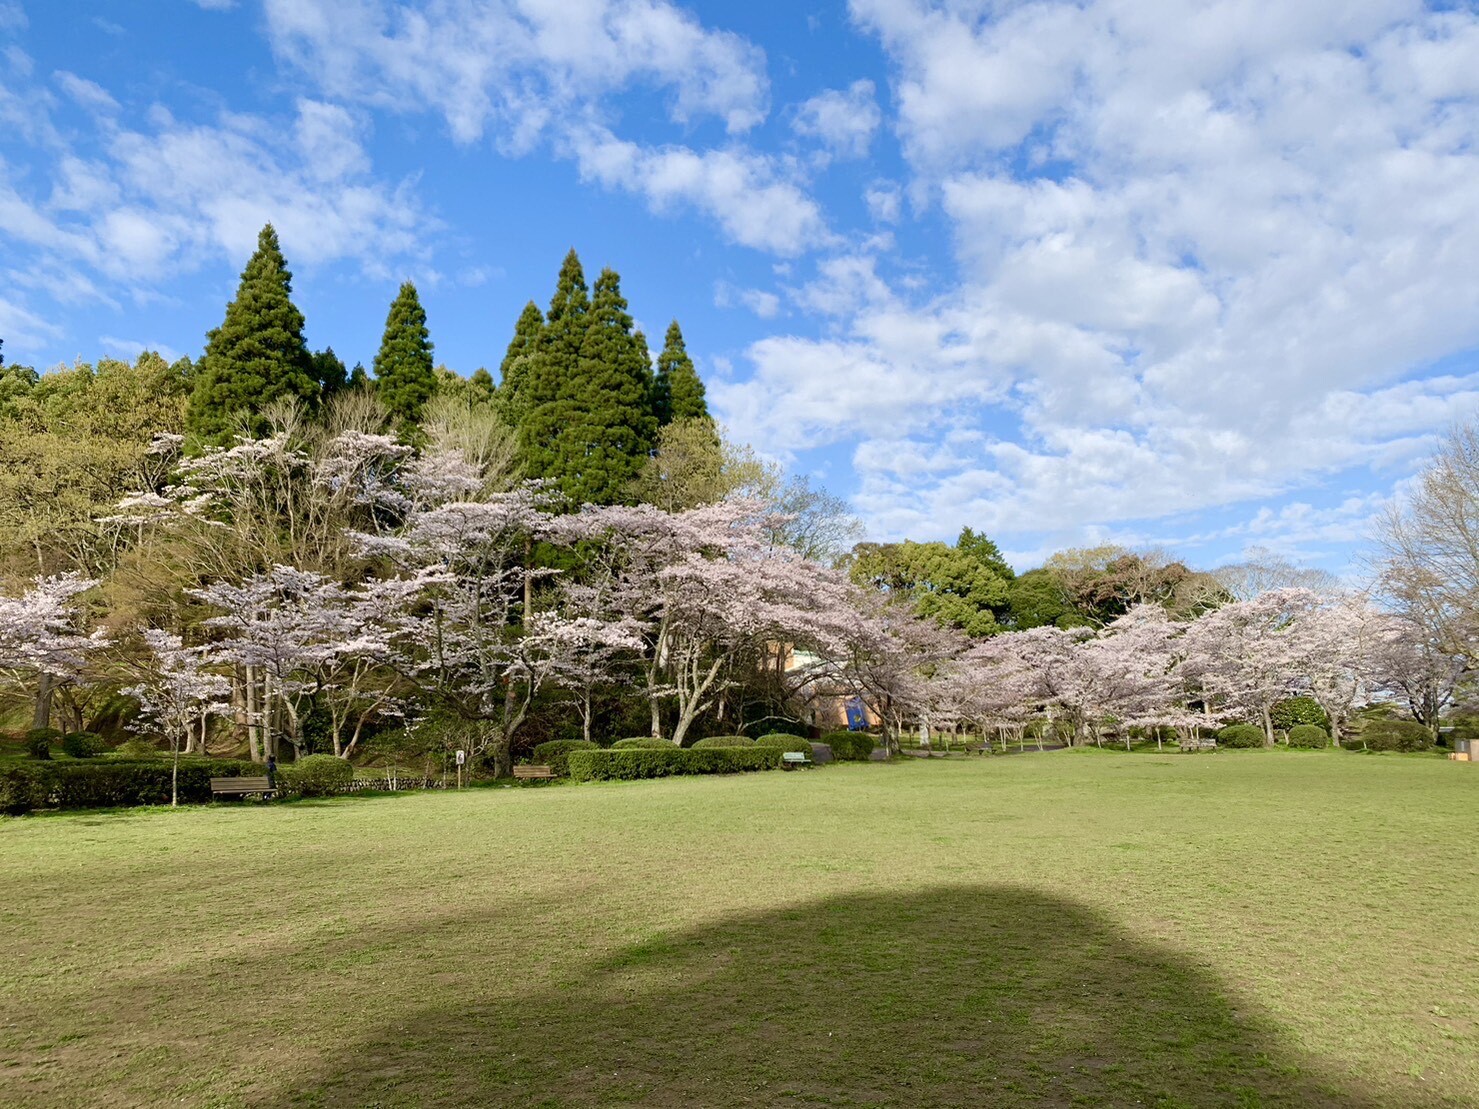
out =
column 132, row 348
column 884, row 200
column 1205, row 254
column 328, row 141
column 215, row 5
column 747, row 194
column 518, row 67
column 87, row 94
column 22, row 329
column 842, row 120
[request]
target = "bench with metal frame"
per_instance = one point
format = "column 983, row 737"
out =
column 527, row 773
column 794, row 758
column 242, row 787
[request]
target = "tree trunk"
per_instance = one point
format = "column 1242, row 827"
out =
column 250, row 712
column 45, row 689
column 1268, row 726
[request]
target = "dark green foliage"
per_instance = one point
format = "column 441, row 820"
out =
column 82, row 745
column 315, row 776
column 614, row 765
column 329, row 371
column 404, row 377
column 1299, row 710
column 588, row 427
column 985, row 551
column 546, row 392
column 1395, row 735
column 1308, row 737
column 513, row 373
column 556, row 754
column 849, row 746
column 642, row 743
column 722, row 741
column 359, row 378
column 257, row 354
column 1241, row 735
column 39, row 742
column 781, row 741
column 677, row 390
column 950, row 586
column 1037, row 600
column 105, row 783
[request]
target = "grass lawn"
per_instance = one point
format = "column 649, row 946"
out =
column 1058, row 929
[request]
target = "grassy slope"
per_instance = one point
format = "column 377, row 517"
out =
column 1238, row 929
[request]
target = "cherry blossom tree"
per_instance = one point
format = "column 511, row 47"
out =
column 41, row 642
column 176, row 691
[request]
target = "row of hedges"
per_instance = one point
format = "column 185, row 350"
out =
column 115, row 782
column 1309, row 737
column 611, row 765
column 849, row 746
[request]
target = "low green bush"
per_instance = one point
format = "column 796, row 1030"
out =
column 1394, row 735
column 106, row 783
column 315, row 776
column 39, row 742
column 1241, row 735
column 1308, row 736
column 710, row 742
column 849, row 746
column 642, row 743
column 1293, row 711
column 555, row 754
column 782, row 741
column 636, row 762
column 82, row 745
column 137, row 749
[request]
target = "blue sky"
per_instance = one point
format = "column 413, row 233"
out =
column 1155, row 272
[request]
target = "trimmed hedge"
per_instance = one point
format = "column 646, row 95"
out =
column 849, row 746
column 1241, row 735
column 642, row 743
column 714, row 741
column 636, row 762
column 1396, row 735
column 39, row 741
column 1308, row 737
column 83, row 745
column 1293, row 711
column 784, row 741
column 315, row 776
column 111, row 783
column 556, row 753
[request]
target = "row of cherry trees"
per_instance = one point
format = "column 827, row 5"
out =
column 357, row 578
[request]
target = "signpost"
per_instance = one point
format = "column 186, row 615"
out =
column 461, row 758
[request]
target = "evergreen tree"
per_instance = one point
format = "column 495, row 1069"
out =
column 612, row 432
column 329, row 372
column 257, row 354
column 547, row 392
column 404, row 374
column 678, row 393
column 513, row 374
column 359, row 378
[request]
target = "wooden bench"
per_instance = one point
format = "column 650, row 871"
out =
column 1190, row 745
column 794, row 758
column 241, row 787
column 524, row 773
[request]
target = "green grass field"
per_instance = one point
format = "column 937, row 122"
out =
column 1060, row 929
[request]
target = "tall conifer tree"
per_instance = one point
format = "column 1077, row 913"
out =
column 678, row 393
column 404, row 374
column 257, row 354
column 513, row 374
column 548, row 390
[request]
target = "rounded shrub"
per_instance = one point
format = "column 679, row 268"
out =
column 722, row 741
column 849, row 746
column 1240, row 735
column 82, row 745
column 136, row 748
column 1396, row 735
column 1293, row 711
column 782, row 741
column 640, row 743
column 315, row 776
column 1308, row 737
column 556, row 754
column 39, row 742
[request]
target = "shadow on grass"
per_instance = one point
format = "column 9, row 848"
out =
column 973, row 996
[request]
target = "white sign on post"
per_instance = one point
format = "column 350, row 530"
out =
column 461, row 757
